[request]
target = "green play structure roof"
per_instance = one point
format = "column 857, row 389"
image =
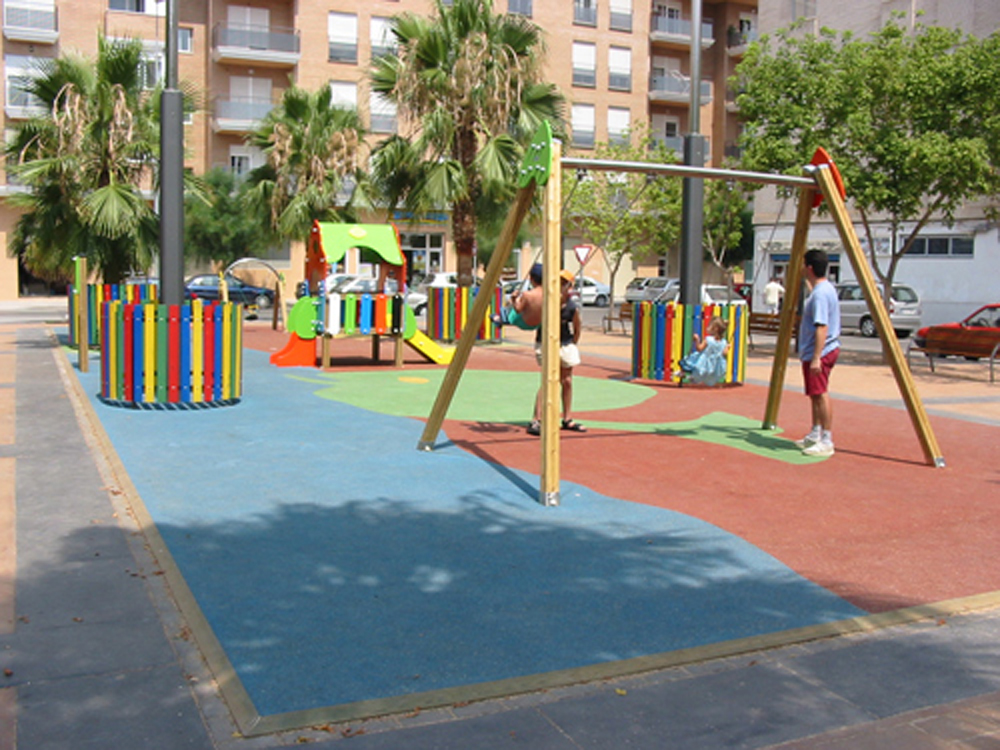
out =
column 337, row 239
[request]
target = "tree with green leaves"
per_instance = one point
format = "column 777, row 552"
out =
column 725, row 219
column 313, row 150
column 469, row 81
column 910, row 118
column 625, row 214
column 217, row 226
column 87, row 162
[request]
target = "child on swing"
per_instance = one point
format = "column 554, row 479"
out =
column 525, row 311
column 706, row 363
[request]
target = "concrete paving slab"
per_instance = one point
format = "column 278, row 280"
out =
column 147, row 709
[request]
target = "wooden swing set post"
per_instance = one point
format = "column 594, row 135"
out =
column 551, row 315
column 508, row 235
column 897, row 361
column 786, row 322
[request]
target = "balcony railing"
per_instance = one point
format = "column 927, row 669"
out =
column 30, row 22
column 677, row 86
column 343, row 52
column 520, row 7
column 20, row 105
column 584, row 15
column 619, row 81
column 737, row 38
column 673, row 142
column 585, row 77
column 239, row 114
column 621, row 21
column 260, row 44
column 679, row 27
column 383, row 123
column 583, row 138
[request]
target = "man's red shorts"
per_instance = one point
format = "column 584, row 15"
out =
column 817, row 383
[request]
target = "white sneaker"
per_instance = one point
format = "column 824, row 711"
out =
column 821, row 448
column 809, row 440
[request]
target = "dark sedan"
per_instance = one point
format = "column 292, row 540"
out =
column 206, row 287
column 976, row 336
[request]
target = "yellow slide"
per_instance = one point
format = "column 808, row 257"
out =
column 429, row 348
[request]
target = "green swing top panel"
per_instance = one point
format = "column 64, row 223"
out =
column 537, row 162
column 337, row 239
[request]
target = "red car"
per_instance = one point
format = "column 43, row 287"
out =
column 976, row 336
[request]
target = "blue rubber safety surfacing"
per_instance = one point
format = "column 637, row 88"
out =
column 336, row 563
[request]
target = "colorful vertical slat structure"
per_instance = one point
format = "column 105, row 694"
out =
column 190, row 354
column 97, row 295
column 448, row 310
column 662, row 336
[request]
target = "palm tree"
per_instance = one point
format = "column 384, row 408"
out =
column 312, row 147
column 86, row 161
column 469, row 82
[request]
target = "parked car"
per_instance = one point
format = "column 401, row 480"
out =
column 436, row 279
column 593, row 292
column 206, row 286
column 711, row 294
column 648, row 288
column 974, row 337
column 904, row 309
column 353, row 284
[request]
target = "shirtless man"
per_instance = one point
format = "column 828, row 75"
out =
column 526, row 310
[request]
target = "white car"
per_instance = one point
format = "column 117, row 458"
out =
column 711, row 294
column 593, row 292
column 366, row 285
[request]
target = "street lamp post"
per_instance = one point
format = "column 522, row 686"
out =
column 693, row 194
column 171, row 174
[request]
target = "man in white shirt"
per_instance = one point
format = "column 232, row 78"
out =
column 773, row 292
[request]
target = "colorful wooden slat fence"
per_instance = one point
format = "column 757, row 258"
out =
column 662, row 336
column 171, row 354
column 448, row 311
column 365, row 314
column 96, row 296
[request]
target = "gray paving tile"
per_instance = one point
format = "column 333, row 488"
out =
column 150, row 709
column 745, row 708
column 525, row 728
column 887, row 677
column 38, row 653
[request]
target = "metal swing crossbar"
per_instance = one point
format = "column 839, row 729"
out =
column 822, row 182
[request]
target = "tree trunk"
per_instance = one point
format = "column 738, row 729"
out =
column 463, row 224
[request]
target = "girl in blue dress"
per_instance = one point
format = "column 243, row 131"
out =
column 706, row 363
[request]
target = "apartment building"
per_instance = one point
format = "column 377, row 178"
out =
column 954, row 267
column 617, row 62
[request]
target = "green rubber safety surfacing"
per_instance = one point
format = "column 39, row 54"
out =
column 507, row 397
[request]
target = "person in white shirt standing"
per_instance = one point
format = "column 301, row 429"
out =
column 773, row 292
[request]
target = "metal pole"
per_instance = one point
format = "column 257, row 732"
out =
column 171, row 174
column 693, row 195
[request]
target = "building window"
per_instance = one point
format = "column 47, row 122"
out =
column 620, row 69
column 803, row 9
column 382, row 39
column 585, row 12
column 382, row 113
column 583, row 125
column 342, row 31
column 621, row 15
column 519, row 7
column 584, row 64
column 423, row 253
column 945, row 246
column 151, row 70
column 344, row 94
column 619, row 122
column 129, row 6
column 185, row 40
